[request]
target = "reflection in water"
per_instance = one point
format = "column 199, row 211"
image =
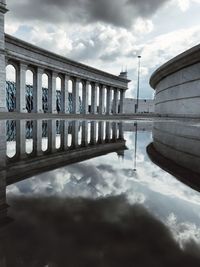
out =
column 176, row 149
column 84, row 232
column 85, row 206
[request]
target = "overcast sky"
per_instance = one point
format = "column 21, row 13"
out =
column 109, row 34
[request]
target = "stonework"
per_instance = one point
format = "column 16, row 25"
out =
column 177, row 84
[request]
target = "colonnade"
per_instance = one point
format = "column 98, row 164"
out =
column 113, row 105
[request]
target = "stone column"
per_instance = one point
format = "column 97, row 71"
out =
column 64, row 94
column 101, row 132
column 114, row 130
column 85, row 96
column 93, row 132
column 75, row 125
column 122, row 97
column 115, row 101
column 21, row 138
column 3, row 107
column 21, row 88
column 64, row 134
column 94, row 99
column 37, row 90
column 75, row 96
column 108, row 131
column 51, row 135
column 37, row 137
column 102, row 99
column 108, row 104
column 84, row 141
column 3, row 204
column 121, row 131
column 52, row 93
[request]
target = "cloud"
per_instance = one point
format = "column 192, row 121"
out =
column 119, row 13
column 85, row 232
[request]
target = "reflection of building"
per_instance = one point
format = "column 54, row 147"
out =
column 176, row 149
column 78, row 141
column 144, row 105
column 3, row 204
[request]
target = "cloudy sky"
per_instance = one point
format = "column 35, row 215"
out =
column 109, row 34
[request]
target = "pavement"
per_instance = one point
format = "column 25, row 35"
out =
column 35, row 116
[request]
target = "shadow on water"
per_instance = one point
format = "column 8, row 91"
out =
column 84, row 232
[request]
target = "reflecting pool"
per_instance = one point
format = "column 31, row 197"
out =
column 99, row 193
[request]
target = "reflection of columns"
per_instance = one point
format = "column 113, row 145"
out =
column 115, row 101
column 114, row 131
column 37, row 137
column 121, row 131
column 64, row 134
column 3, row 205
column 84, row 138
column 75, row 125
column 75, row 96
column 108, row 104
column 108, row 131
column 37, row 90
column 122, row 97
column 93, row 132
column 21, row 138
column 94, row 98
column 64, row 94
column 85, row 97
column 101, row 132
column 52, row 93
column 21, row 88
column 102, row 99
column 51, row 135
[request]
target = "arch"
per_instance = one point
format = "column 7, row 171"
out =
column 80, row 133
column 105, row 100
column 89, row 98
column 11, row 76
column 81, row 97
column 58, row 134
column 45, row 88
column 11, row 148
column 44, row 144
column 29, row 90
column 58, row 94
column 70, row 88
column 29, row 137
column 98, row 97
column 112, row 100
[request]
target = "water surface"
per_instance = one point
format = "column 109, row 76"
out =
column 88, row 193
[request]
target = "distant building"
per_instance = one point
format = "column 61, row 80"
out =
column 144, row 106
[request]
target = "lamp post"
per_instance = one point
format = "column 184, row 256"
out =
column 138, row 84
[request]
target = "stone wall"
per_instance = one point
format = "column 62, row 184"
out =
column 177, row 85
column 144, row 105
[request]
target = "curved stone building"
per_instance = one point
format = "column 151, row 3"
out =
column 177, row 85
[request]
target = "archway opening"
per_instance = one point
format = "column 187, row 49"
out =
column 29, row 91
column 45, row 87
column 70, row 98
column 11, row 87
column 58, row 94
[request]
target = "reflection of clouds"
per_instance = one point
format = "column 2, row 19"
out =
column 106, row 176
column 84, row 232
column 184, row 232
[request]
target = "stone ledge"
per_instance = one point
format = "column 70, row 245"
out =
column 183, row 60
